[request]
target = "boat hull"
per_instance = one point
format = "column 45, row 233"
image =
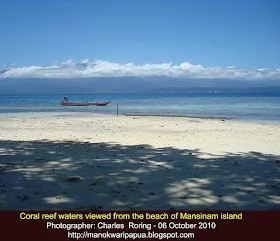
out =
column 64, row 103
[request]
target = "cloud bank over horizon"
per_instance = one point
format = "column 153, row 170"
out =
column 101, row 68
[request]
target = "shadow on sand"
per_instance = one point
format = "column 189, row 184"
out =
column 90, row 176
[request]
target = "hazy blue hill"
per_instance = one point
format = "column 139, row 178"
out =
column 224, row 90
column 71, row 86
column 131, row 85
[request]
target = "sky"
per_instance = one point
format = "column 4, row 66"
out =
column 182, row 38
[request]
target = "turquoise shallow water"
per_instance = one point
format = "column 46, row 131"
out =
column 244, row 107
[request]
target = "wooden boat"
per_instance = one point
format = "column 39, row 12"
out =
column 84, row 103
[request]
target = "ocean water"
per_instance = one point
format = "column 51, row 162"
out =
column 250, row 107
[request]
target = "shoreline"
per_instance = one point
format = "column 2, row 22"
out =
column 186, row 116
column 92, row 114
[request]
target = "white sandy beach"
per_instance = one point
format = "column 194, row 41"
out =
column 138, row 162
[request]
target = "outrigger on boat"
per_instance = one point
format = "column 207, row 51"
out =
column 66, row 102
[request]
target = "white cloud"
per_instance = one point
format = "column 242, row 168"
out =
column 100, row 68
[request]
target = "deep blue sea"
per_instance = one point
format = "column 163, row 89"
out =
column 252, row 107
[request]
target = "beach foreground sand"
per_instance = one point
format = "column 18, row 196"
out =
column 138, row 162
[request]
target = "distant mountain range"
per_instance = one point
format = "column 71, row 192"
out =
column 119, row 85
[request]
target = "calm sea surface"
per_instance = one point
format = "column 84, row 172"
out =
column 252, row 107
